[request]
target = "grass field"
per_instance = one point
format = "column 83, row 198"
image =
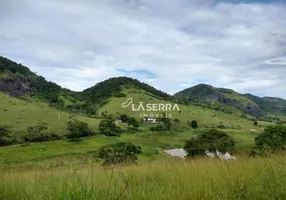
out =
column 206, row 117
column 66, row 169
column 244, row 178
column 20, row 114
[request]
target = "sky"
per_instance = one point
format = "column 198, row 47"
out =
column 169, row 44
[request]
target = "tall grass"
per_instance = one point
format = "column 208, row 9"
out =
column 244, row 178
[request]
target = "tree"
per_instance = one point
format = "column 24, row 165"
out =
column 118, row 153
column 78, row 129
column 124, row 118
column 166, row 123
column 273, row 138
column 34, row 130
column 211, row 140
column 194, row 124
column 133, row 122
column 38, row 133
column 4, row 133
column 108, row 127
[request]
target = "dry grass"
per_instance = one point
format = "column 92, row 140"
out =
column 244, row 178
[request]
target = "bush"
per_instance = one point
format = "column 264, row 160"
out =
column 41, row 137
column 37, row 134
column 121, row 152
column 272, row 139
column 133, row 122
column 123, row 118
column 255, row 123
column 107, row 127
column 4, row 135
column 211, row 140
column 78, row 129
column 34, row 130
column 156, row 128
column 166, row 123
column 194, row 124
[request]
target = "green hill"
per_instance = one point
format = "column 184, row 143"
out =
column 270, row 104
column 113, row 88
column 248, row 103
column 28, row 99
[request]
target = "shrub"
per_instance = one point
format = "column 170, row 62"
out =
column 255, row 123
column 211, row 140
column 272, row 139
column 121, row 152
column 194, row 124
column 133, row 122
column 166, row 123
column 78, row 129
column 37, row 134
column 123, row 118
column 41, row 137
column 156, row 128
column 34, row 130
column 4, row 135
column 107, row 127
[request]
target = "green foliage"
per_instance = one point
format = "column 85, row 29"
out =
column 221, row 126
column 113, row 86
column 157, row 128
column 194, row 124
column 118, row 153
column 78, row 129
column 255, row 123
column 4, row 134
column 123, row 118
column 133, row 122
column 41, row 137
column 33, row 130
column 211, row 140
column 272, row 139
column 205, row 94
column 166, row 123
column 107, row 127
column 38, row 133
column 6, row 64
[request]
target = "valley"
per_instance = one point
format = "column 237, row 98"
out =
column 51, row 135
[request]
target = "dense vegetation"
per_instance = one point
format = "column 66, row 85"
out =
column 212, row 140
column 113, row 86
column 271, row 140
column 119, row 153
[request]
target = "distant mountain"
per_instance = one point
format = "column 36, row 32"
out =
column 269, row 104
column 207, row 93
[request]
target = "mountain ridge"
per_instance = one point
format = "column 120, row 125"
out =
column 17, row 80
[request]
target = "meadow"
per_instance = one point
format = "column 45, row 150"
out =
column 68, row 169
column 202, row 178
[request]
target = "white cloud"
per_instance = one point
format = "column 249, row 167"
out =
column 78, row 43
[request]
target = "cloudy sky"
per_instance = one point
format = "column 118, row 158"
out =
column 169, row 44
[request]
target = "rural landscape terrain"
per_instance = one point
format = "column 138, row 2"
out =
column 59, row 144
